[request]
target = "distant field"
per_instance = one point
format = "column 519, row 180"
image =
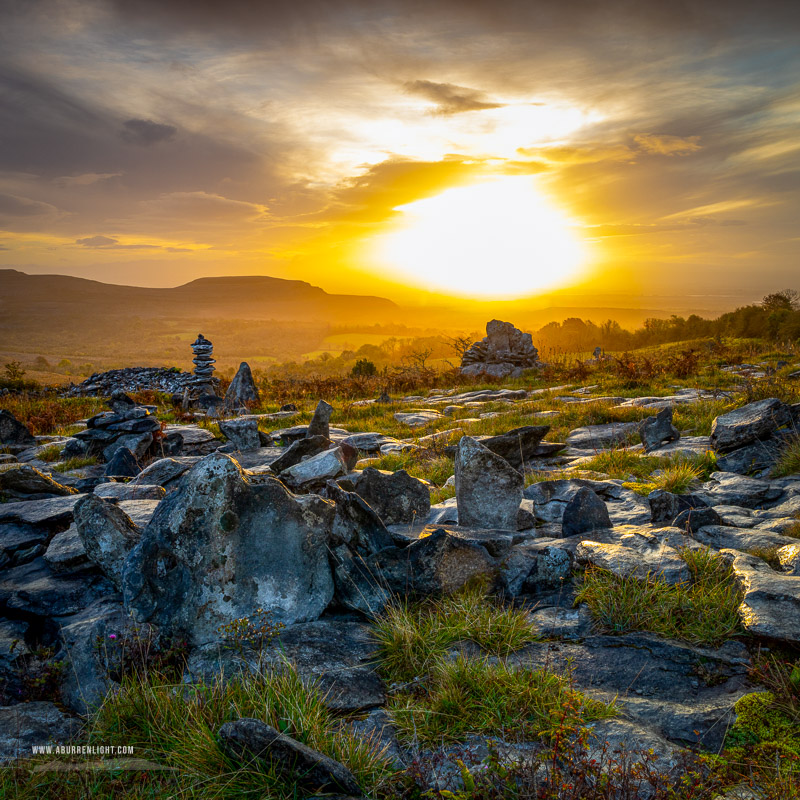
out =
column 339, row 342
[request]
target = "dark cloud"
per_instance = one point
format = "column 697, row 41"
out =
column 451, row 99
column 147, row 132
column 97, row 241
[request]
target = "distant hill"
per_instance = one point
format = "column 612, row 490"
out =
column 57, row 299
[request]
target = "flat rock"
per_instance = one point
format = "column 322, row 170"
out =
column 130, row 491
column 601, row 437
column 747, row 424
column 316, row 470
column 66, row 552
column 417, row 419
column 397, row 498
column 731, row 489
column 55, row 511
column 771, row 604
column 722, row 537
column 26, row 725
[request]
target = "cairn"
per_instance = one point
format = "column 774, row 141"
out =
column 204, row 366
column 504, row 352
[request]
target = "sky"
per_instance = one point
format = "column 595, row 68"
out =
column 405, row 148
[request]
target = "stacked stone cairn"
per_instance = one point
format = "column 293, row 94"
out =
column 203, row 383
column 504, row 352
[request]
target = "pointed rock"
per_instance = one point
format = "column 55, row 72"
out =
column 320, row 422
column 243, row 392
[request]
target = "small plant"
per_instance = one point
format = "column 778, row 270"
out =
column 14, row 371
column 250, row 633
column 41, row 679
column 363, row 368
column 76, row 462
column 788, row 462
column 50, row 453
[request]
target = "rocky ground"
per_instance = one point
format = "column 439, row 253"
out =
column 183, row 532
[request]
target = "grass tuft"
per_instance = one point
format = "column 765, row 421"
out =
column 76, row 462
column 702, row 611
column 789, row 460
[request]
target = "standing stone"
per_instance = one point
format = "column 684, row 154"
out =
column 243, row 391
column 488, row 488
column 12, row 431
column 320, row 422
column 242, row 433
column 221, row 548
column 584, row 513
column 204, row 366
column 658, row 430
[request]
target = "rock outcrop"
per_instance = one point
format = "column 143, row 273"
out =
column 504, row 352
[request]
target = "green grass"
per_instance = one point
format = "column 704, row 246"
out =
column 50, row 414
column 789, row 460
column 176, row 725
column 702, row 611
column 475, row 696
column 421, row 464
column 412, row 638
column 76, row 462
column 50, row 453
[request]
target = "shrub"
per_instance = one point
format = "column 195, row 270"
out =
column 363, row 368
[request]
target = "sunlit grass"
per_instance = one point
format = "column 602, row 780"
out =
column 789, row 460
column 76, row 462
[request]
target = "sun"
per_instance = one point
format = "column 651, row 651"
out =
column 501, row 237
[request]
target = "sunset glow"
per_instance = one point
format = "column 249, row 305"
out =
column 498, row 238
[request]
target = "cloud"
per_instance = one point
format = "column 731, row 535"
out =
column 146, row 132
column 87, row 179
column 203, row 208
column 107, row 243
column 97, row 241
column 14, row 206
column 451, row 99
column 666, row 145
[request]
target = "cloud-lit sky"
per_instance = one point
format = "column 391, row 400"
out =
column 154, row 141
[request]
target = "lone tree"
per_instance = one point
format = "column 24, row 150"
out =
column 787, row 300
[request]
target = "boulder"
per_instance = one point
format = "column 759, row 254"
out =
column 137, row 443
column 248, row 740
column 398, row 499
column 25, row 725
column 752, row 458
column 107, row 533
column 221, row 548
column 488, row 488
column 730, row 489
column 298, row 451
column 241, row 433
column 658, row 430
column 123, row 464
column 369, row 443
column 25, row 482
column 320, row 422
column 531, row 567
column 747, row 424
column 355, row 523
column 316, row 471
column 517, row 446
column 692, row 519
column 129, row 491
column 12, row 431
column 165, row 472
column 771, row 603
column 584, row 513
column 242, row 391
column 504, row 351
column 120, row 403
column 789, row 559
column 66, row 552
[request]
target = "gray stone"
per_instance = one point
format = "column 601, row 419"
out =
column 242, row 391
column 665, row 506
column 752, row 458
column 316, row 471
column 533, row 566
column 137, row 443
column 248, row 740
column 693, row 519
column 123, row 464
column 24, row 482
column 771, row 603
column 517, row 446
column 584, row 513
column 599, row 437
column 165, row 472
column 745, row 425
column 789, row 558
column 129, row 491
column 561, row 623
column 637, row 555
column 730, row 489
column 120, row 403
column 20, row 542
column 417, row 418
column 300, row 450
column 66, row 552
column 355, row 523
column 241, row 433
column 221, row 548
column 657, row 430
column 12, row 431
column 35, row 589
column 370, row 443
column 320, row 422
column 488, row 488
column 26, row 725
column 398, row 498
column 46, row 513
column 107, row 533
column 722, row 537
column 504, row 351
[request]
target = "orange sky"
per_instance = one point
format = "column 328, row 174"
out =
column 154, row 142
